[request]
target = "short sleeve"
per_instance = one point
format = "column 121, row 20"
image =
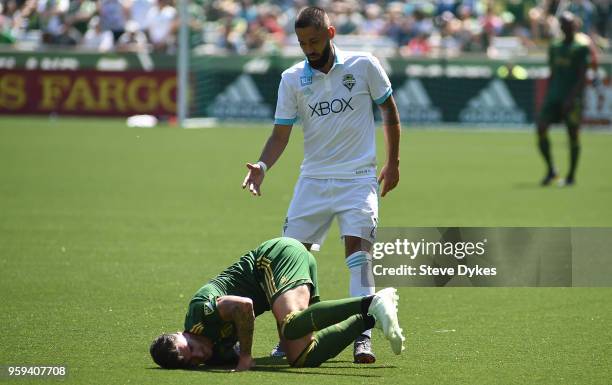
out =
column 202, row 315
column 378, row 81
column 286, row 103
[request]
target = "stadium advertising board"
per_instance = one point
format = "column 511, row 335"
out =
column 88, row 92
column 75, row 60
column 426, row 91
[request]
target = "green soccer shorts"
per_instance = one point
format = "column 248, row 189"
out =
column 283, row 264
column 552, row 112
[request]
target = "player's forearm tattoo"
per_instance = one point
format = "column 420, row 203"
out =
column 244, row 320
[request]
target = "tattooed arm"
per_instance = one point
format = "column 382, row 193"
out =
column 239, row 310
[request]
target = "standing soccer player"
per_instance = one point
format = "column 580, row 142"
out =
column 568, row 60
column 332, row 92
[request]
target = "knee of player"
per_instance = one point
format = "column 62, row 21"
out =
column 247, row 303
column 287, row 330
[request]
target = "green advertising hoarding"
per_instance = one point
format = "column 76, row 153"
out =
column 473, row 91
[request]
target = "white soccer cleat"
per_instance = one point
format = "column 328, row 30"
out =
column 384, row 310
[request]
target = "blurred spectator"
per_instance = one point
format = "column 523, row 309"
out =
column 268, row 19
column 26, row 18
column 543, row 21
column 96, row 38
column 52, row 17
column 585, row 10
column 492, row 25
column 419, row 27
column 516, row 17
column 603, row 23
column 450, row 39
column 197, row 20
column 112, row 16
column 446, row 6
column 418, row 46
column 79, row 14
column 8, row 33
column 373, row 23
column 265, row 32
column 138, row 11
column 162, row 24
column 233, row 30
column 287, row 19
column 248, row 11
column 348, row 19
column 133, row 39
column 397, row 27
column 468, row 30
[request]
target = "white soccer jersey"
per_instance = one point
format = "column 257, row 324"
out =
column 336, row 113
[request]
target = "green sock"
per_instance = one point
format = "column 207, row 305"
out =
column 323, row 314
column 574, row 154
column 544, row 146
column 329, row 342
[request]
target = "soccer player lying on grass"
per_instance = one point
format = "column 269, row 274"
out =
column 280, row 275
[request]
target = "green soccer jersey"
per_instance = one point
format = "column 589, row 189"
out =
column 239, row 279
column 262, row 274
column 566, row 61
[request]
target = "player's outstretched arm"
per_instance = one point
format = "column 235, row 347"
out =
column 272, row 151
column 389, row 175
column 239, row 310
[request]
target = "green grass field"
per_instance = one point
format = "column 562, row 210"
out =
column 106, row 232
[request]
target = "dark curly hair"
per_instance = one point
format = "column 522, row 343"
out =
column 165, row 354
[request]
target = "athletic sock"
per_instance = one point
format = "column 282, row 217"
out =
column 329, row 342
column 574, row 155
column 324, row 314
column 544, row 145
column 361, row 281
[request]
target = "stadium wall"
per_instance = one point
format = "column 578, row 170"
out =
column 428, row 91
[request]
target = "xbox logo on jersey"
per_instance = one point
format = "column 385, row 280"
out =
column 336, row 106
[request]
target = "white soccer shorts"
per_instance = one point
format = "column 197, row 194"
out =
column 316, row 202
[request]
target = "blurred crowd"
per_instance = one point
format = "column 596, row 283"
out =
column 412, row 28
column 102, row 25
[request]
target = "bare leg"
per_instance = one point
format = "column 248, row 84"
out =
column 354, row 244
column 337, row 324
column 290, row 301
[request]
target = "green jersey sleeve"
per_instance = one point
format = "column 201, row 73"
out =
column 203, row 319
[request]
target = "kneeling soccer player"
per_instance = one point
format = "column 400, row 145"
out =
column 280, row 275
